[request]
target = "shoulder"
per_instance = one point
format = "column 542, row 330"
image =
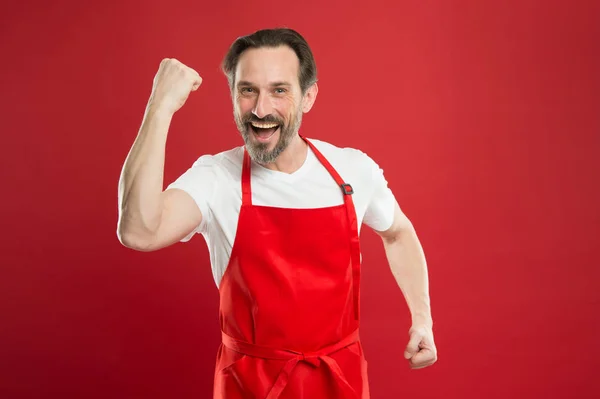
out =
column 345, row 158
column 229, row 161
column 231, row 156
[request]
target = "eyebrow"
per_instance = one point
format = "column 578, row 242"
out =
column 273, row 84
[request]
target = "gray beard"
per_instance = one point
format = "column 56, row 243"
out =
column 259, row 151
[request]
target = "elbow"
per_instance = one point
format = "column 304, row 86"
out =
column 132, row 240
column 125, row 238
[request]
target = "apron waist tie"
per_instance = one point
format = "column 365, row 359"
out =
column 293, row 357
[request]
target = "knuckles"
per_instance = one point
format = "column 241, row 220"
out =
column 172, row 65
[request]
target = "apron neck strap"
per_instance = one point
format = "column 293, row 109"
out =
column 246, row 184
column 347, row 191
column 247, row 166
column 346, row 188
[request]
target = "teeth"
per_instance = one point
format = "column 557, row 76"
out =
column 264, row 125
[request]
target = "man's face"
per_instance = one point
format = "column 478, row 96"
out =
column 268, row 102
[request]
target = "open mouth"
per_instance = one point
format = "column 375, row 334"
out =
column 263, row 131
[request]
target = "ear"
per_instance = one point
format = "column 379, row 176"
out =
column 309, row 97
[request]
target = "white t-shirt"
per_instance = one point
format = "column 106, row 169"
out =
column 214, row 182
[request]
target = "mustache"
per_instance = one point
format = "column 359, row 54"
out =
column 266, row 119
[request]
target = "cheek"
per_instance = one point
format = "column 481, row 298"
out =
column 243, row 106
column 285, row 107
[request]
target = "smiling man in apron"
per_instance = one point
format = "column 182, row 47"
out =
column 281, row 216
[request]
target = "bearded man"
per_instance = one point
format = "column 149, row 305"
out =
column 281, row 216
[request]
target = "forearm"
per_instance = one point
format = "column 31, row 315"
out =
column 141, row 180
column 409, row 267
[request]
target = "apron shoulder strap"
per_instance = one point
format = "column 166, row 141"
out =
column 246, row 181
column 353, row 224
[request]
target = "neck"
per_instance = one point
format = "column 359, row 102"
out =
column 292, row 158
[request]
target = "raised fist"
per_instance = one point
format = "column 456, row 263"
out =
column 173, row 83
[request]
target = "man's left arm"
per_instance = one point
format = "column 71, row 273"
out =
column 407, row 262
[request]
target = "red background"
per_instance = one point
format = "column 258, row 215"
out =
column 484, row 116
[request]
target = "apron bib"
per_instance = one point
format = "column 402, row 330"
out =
column 289, row 302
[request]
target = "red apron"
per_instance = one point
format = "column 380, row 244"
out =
column 289, row 302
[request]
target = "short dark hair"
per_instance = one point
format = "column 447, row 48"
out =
column 307, row 75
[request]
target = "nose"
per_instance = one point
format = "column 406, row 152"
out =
column 263, row 106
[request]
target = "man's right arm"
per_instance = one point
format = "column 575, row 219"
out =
column 150, row 218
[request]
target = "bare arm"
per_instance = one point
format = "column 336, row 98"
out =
column 149, row 218
column 409, row 267
column 407, row 262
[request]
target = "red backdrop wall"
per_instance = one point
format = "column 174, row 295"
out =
column 484, row 116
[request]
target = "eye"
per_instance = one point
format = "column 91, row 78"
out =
column 245, row 90
column 280, row 91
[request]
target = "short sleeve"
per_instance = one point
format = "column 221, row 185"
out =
column 380, row 209
column 200, row 182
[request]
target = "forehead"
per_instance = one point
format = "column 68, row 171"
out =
column 264, row 65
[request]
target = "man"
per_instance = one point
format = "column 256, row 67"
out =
column 281, row 216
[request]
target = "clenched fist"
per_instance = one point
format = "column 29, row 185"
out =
column 420, row 351
column 173, row 83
